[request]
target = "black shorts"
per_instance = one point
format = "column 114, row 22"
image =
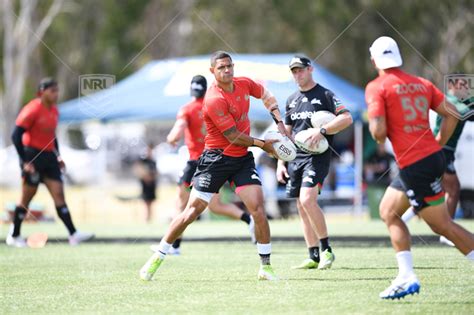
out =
column 148, row 190
column 307, row 172
column 421, row 181
column 449, row 156
column 46, row 166
column 187, row 174
column 214, row 169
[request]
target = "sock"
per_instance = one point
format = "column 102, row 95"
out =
column 177, row 243
column 325, row 244
column 264, row 250
column 470, row 256
column 65, row 216
column 314, row 253
column 408, row 215
column 163, row 249
column 20, row 214
column 405, row 265
column 245, row 217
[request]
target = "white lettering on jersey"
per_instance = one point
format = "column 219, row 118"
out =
column 302, row 115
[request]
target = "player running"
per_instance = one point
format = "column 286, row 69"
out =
column 457, row 90
column 226, row 158
column 190, row 124
column 398, row 106
column 305, row 174
column 35, row 141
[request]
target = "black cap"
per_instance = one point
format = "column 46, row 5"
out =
column 46, row 83
column 299, row 61
column 198, row 86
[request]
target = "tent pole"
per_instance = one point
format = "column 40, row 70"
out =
column 358, row 148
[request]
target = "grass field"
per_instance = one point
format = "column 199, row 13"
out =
column 220, row 278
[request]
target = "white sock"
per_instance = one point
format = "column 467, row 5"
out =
column 470, row 256
column 408, row 215
column 405, row 265
column 264, row 249
column 163, row 249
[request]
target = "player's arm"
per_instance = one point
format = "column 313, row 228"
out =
column 378, row 128
column 341, row 122
column 270, row 102
column 62, row 165
column 239, row 138
column 16, row 137
column 176, row 133
column 448, row 123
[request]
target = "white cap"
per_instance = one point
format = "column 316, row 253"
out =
column 385, row 53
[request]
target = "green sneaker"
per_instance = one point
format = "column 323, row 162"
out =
column 266, row 273
column 326, row 260
column 150, row 267
column 306, row 264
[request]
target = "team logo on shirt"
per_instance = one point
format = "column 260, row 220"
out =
column 316, row 101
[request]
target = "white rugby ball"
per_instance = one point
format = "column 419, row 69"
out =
column 321, row 117
column 301, row 139
column 284, row 148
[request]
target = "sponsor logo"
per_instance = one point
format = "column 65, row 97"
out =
column 255, row 176
column 302, row 115
column 292, row 104
column 308, row 179
column 409, row 88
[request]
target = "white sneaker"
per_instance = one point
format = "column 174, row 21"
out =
column 400, row 288
column 17, row 241
column 252, row 230
column 445, row 241
column 79, row 237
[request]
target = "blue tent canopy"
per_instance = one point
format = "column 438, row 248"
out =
column 160, row 88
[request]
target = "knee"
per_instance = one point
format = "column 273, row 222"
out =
column 189, row 216
column 307, row 202
column 258, row 213
column 387, row 214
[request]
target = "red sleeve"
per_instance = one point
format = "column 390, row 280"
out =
column 218, row 111
column 375, row 101
column 255, row 89
column 437, row 97
column 27, row 117
column 182, row 114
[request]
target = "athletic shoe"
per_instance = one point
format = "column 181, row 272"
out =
column 445, row 241
column 266, row 273
column 150, row 267
column 252, row 230
column 326, row 259
column 16, row 241
column 399, row 289
column 306, row 264
column 79, row 237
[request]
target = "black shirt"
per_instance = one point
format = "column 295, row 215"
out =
column 301, row 106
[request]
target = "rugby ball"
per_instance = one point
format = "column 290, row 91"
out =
column 321, row 117
column 301, row 139
column 284, row 148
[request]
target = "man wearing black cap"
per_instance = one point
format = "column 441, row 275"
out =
column 190, row 124
column 305, row 174
column 35, row 141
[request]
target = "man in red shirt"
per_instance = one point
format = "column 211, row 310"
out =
column 398, row 108
column 190, row 124
column 226, row 158
column 35, row 140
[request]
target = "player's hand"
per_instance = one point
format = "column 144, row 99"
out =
column 29, row 168
column 268, row 147
column 62, row 165
column 314, row 139
column 282, row 173
column 282, row 130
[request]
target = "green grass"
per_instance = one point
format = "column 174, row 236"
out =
column 220, row 278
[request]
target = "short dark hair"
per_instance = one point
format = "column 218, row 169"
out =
column 220, row 54
column 46, row 83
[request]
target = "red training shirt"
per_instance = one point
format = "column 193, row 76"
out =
column 405, row 100
column 224, row 110
column 196, row 129
column 40, row 125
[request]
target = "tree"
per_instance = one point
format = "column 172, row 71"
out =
column 21, row 35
